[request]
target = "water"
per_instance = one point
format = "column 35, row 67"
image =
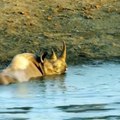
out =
column 86, row 92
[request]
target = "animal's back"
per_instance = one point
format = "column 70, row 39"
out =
column 21, row 61
column 22, row 68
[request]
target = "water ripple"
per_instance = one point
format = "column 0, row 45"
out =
column 111, row 117
column 84, row 108
column 86, row 92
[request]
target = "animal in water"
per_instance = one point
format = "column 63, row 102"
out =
column 27, row 66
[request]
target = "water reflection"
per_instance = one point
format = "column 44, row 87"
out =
column 54, row 82
column 42, row 86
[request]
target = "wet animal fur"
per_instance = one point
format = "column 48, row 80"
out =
column 26, row 66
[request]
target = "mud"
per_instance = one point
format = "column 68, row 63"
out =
column 91, row 29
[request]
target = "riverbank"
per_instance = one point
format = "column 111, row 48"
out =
column 91, row 30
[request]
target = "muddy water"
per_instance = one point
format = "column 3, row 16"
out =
column 86, row 92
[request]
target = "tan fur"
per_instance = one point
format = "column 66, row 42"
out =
column 25, row 67
column 22, row 68
column 55, row 65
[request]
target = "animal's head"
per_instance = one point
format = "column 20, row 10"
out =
column 54, row 65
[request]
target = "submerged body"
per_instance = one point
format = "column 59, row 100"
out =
column 27, row 66
column 22, row 68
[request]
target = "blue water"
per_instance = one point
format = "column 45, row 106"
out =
column 85, row 92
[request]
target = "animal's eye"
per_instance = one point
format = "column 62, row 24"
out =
column 56, row 67
column 55, row 64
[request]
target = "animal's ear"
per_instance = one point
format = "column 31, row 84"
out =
column 42, row 57
column 53, row 56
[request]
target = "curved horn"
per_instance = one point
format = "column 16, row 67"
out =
column 53, row 57
column 63, row 55
column 42, row 57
